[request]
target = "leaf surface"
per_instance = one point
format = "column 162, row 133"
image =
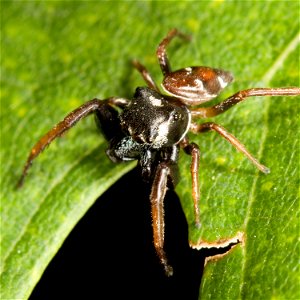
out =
column 57, row 55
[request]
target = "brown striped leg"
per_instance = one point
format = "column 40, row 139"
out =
column 69, row 121
column 193, row 150
column 161, row 50
column 206, row 112
column 158, row 192
column 146, row 75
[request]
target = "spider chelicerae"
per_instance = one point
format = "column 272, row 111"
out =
column 152, row 127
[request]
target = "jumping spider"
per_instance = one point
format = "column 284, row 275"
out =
column 152, row 127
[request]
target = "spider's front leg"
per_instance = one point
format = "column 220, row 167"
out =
column 164, row 171
column 103, row 109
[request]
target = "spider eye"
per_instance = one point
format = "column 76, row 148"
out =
column 176, row 116
column 195, row 85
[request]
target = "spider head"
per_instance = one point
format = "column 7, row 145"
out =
column 155, row 120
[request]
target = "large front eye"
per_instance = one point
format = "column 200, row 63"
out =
column 195, row 85
column 176, row 116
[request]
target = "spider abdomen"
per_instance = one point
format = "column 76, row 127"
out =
column 196, row 85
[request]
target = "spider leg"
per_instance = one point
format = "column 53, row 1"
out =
column 197, row 128
column 161, row 50
column 158, row 192
column 193, row 150
column 146, row 75
column 69, row 121
column 205, row 112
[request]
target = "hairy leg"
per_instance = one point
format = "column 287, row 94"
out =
column 161, row 50
column 59, row 129
column 146, row 75
column 197, row 128
column 206, row 112
column 158, row 192
column 193, row 150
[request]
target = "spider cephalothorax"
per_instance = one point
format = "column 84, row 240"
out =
column 152, row 127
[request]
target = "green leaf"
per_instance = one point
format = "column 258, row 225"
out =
column 57, row 55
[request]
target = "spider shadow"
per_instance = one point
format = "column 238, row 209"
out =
column 111, row 252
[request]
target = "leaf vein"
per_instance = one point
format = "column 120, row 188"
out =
column 52, row 187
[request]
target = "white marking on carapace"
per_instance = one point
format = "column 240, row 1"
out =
column 188, row 69
column 187, row 127
column 162, row 129
column 155, row 102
